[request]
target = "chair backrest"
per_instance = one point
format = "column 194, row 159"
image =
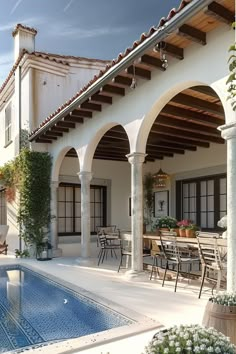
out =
column 3, row 233
column 169, row 248
column 207, row 234
column 102, row 240
column 209, row 252
column 106, row 229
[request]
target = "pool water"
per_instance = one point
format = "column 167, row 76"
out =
column 35, row 310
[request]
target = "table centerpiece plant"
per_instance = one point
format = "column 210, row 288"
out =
column 166, row 222
column 188, row 339
column 183, row 225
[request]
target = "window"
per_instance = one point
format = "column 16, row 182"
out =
column 69, row 208
column 202, row 200
column 8, row 121
column 3, row 209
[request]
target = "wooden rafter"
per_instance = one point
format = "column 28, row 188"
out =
column 198, row 103
column 173, row 50
column 220, row 13
column 185, row 139
column 206, row 90
column 65, row 124
column 112, row 89
column 81, row 113
column 91, row 106
column 152, row 61
column 74, row 119
column 193, row 34
column 143, row 73
column 101, row 98
column 122, row 80
column 56, row 128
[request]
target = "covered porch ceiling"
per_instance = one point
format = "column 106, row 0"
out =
column 188, row 121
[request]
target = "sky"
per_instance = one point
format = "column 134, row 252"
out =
column 88, row 28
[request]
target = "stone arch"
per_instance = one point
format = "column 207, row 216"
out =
column 86, row 153
column 160, row 103
column 57, row 161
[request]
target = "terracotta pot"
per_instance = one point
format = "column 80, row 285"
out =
column 190, row 233
column 177, row 231
column 182, row 232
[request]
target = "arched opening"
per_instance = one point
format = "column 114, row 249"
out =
column 185, row 143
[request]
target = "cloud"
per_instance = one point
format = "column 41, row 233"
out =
column 15, row 6
column 68, row 5
column 67, row 30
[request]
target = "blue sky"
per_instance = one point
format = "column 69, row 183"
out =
column 90, row 28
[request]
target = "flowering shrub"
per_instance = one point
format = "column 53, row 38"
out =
column 184, row 224
column 190, row 339
column 166, row 221
column 225, row 299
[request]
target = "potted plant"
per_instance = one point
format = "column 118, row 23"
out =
column 166, row 222
column 183, row 224
column 223, row 224
column 190, row 339
column 190, row 230
column 220, row 313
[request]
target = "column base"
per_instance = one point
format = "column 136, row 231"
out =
column 57, row 252
column 136, row 275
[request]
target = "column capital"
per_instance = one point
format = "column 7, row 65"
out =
column 85, row 175
column 136, row 157
column 228, row 131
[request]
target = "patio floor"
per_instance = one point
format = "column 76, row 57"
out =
column 144, row 296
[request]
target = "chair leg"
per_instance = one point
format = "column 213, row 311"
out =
column 177, row 275
column 153, row 265
column 165, row 273
column 100, row 255
column 120, row 262
column 202, row 282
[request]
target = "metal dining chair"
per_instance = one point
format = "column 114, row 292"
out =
column 212, row 265
column 106, row 246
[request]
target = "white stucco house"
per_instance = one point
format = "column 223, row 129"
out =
column 36, row 85
column 161, row 104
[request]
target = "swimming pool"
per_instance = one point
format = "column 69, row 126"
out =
column 35, row 310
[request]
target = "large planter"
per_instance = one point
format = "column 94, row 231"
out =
column 222, row 318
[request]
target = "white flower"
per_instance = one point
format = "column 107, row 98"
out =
column 222, row 222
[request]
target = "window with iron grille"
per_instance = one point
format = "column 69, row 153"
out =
column 8, row 124
column 69, row 208
column 202, row 200
column 3, row 209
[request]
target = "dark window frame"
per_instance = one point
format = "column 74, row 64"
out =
column 198, row 180
column 103, row 204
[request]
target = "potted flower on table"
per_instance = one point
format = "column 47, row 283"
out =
column 183, row 225
column 166, row 223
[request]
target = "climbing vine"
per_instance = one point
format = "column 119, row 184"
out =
column 232, row 76
column 30, row 174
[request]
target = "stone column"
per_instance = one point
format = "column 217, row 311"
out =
column 54, row 221
column 85, row 178
column 228, row 132
column 136, row 160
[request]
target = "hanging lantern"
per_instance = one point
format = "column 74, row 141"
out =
column 160, row 179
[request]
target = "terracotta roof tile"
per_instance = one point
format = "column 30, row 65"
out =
column 19, row 25
column 71, row 57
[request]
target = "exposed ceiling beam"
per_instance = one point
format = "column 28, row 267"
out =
column 58, row 129
column 206, row 90
column 220, row 12
column 173, row 50
column 122, row 80
column 65, row 124
column 179, row 133
column 186, row 140
column 143, row 73
column 81, row 113
column 91, row 106
column 186, row 126
column 74, row 118
column 152, row 61
column 161, row 149
column 198, row 103
column 176, row 145
column 191, row 116
column 101, row 98
column 193, row 34
column 113, row 90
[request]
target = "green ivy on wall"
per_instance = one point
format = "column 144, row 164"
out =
column 30, row 174
column 232, row 76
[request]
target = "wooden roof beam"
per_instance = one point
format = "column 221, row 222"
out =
column 179, row 133
column 149, row 60
column 91, row 106
column 206, row 90
column 81, row 113
column 186, row 140
column 65, row 124
column 167, row 144
column 48, row 136
column 173, row 50
column 143, row 73
column 191, row 116
column 122, row 80
column 186, row 126
column 58, row 129
column 53, row 133
column 198, row 103
column 112, row 89
column 193, row 34
column 43, row 140
column 220, row 12
column 97, row 97
column 74, row 119
column 161, row 149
